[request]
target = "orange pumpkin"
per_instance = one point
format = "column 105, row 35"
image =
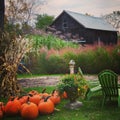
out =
column 1, row 114
column 1, row 110
column 46, row 106
column 44, row 95
column 35, row 99
column 33, row 92
column 12, row 107
column 2, row 106
column 29, row 110
column 55, row 92
column 55, row 98
column 64, row 95
column 23, row 99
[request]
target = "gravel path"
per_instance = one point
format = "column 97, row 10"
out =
column 45, row 81
column 48, row 80
column 39, row 81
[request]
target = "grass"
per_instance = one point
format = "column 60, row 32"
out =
column 91, row 110
column 35, row 75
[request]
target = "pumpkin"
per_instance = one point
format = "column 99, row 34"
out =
column 29, row 110
column 46, row 106
column 1, row 110
column 12, row 107
column 35, row 99
column 55, row 92
column 1, row 114
column 55, row 98
column 64, row 95
column 22, row 99
column 2, row 106
column 33, row 92
column 44, row 95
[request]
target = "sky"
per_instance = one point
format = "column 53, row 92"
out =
column 93, row 7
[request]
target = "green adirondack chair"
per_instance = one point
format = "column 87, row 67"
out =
column 109, row 84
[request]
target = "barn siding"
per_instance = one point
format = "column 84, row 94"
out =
column 72, row 24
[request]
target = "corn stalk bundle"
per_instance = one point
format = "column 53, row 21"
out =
column 12, row 50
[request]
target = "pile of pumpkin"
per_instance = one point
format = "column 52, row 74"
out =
column 31, row 105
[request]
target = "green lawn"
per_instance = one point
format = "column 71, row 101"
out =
column 91, row 110
column 35, row 75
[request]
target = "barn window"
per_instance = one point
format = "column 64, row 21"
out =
column 65, row 25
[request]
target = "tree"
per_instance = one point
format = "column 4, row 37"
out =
column 20, row 13
column 43, row 21
column 113, row 18
column 2, row 10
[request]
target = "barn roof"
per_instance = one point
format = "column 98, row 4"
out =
column 91, row 22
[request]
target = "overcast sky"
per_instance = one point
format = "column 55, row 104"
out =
column 92, row 7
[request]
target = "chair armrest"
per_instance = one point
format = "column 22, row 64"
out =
column 91, row 91
column 94, row 82
column 97, row 88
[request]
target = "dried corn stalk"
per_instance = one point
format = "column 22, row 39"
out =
column 12, row 50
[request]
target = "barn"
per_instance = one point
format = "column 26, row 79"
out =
column 86, row 28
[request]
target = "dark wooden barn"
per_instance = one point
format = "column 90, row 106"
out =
column 85, row 28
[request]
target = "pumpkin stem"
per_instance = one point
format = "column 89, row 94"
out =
column 30, row 95
column 45, row 100
column 28, row 100
column 43, row 90
column 53, row 92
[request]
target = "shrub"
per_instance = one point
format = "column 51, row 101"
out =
column 53, row 64
column 102, row 60
column 115, row 57
column 86, row 61
column 40, row 64
column 58, row 65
